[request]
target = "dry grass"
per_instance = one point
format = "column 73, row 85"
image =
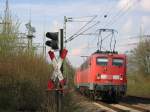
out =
column 23, row 80
column 138, row 85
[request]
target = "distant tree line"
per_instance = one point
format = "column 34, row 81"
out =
column 139, row 58
column 23, row 74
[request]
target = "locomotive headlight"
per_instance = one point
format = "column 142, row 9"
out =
column 116, row 77
column 98, row 76
column 103, row 76
column 121, row 77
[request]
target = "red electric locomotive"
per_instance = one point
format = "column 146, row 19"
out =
column 102, row 75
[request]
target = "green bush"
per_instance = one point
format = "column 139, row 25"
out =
column 138, row 85
column 23, row 74
column 139, row 69
column 23, row 79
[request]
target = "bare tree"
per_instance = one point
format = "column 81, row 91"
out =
column 139, row 60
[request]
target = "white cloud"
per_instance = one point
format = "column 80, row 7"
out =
column 142, row 5
column 127, row 27
column 78, row 51
column 145, row 4
column 145, row 22
column 123, row 4
column 56, row 25
column 59, row 9
column 126, row 4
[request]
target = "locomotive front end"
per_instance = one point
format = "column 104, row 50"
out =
column 110, row 75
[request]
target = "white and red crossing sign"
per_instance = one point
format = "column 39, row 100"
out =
column 57, row 63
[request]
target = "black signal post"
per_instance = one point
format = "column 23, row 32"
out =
column 53, row 43
column 57, row 42
column 61, row 44
column 60, row 107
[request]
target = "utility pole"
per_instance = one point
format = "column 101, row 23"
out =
column 65, row 22
column 44, row 47
column 59, row 94
column 141, row 31
column 147, row 58
column 6, row 21
column 82, row 30
column 30, row 35
column 61, row 44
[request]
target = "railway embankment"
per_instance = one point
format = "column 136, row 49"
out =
column 139, row 85
column 139, row 70
column 78, row 103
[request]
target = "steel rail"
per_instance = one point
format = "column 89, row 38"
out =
column 111, row 107
column 134, row 107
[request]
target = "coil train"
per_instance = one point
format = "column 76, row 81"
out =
column 102, row 75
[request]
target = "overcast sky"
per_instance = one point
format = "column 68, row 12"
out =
column 128, row 17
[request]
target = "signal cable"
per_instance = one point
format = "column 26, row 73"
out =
column 71, row 38
column 83, row 27
column 123, row 15
column 119, row 15
column 111, row 20
column 115, row 20
column 84, row 17
column 107, row 12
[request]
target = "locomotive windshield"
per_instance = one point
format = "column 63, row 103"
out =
column 102, row 61
column 117, row 62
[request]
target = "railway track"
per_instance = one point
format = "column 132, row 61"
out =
column 119, row 107
column 108, row 107
column 127, row 104
column 135, row 107
column 139, row 98
column 137, row 102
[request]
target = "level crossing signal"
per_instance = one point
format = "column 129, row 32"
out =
column 53, row 43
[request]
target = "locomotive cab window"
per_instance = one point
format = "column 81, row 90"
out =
column 117, row 62
column 102, row 61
